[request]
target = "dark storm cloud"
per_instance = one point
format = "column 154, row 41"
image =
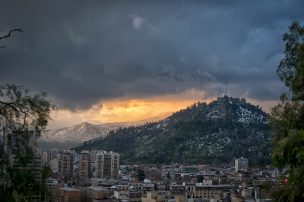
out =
column 82, row 52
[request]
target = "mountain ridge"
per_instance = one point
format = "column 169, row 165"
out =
column 73, row 136
column 217, row 132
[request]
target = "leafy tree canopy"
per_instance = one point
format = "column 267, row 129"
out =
column 288, row 118
column 291, row 67
column 140, row 175
column 22, row 117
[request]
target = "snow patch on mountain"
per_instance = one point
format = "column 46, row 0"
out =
column 72, row 136
column 80, row 133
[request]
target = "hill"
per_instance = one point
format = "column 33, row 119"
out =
column 202, row 133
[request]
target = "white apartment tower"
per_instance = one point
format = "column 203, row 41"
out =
column 44, row 158
column 107, row 164
column 241, row 164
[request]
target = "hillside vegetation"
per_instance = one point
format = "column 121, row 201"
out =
column 202, row 133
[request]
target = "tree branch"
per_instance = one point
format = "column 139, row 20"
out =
column 10, row 32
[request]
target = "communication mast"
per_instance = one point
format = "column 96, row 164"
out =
column 226, row 83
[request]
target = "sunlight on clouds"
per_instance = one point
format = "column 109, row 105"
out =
column 131, row 110
column 135, row 110
column 126, row 110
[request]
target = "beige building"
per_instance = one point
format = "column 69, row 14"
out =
column 68, row 194
column 96, row 194
column 156, row 196
column 179, row 198
column 208, row 191
column 107, row 164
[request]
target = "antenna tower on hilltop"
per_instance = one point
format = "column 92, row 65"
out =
column 226, row 87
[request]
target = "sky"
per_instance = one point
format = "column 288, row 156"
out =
column 118, row 61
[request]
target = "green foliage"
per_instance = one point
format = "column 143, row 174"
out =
column 288, row 118
column 46, row 172
column 140, row 175
column 291, row 67
column 199, row 178
column 22, row 119
column 18, row 108
column 168, row 175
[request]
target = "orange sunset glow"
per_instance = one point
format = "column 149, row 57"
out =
column 120, row 111
column 132, row 110
column 127, row 110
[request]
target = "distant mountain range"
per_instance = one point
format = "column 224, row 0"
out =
column 216, row 133
column 69, row 137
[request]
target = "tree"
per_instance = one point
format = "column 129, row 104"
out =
column 140, row 175
column 22, row 119
column 168, row 175
column 288, row 118
column 291, row 68
column 9, row 34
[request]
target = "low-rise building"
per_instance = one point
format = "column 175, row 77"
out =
column 68, row 194
column 207, row 192
column 95, row 194
column 156, row 196
column 134, row 196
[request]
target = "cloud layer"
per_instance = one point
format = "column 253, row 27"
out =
column 83, row 52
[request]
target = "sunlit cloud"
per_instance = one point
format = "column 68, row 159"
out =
column 127, row 110
column 132, row 110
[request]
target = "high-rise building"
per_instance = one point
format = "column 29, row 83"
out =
column 241, row 164
column 107, row 164
column 66, row 164
column 44, row 158
column 84, row 167
column 54, row 154
column 115, row 165
column 93, row 155
column 54, row 165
